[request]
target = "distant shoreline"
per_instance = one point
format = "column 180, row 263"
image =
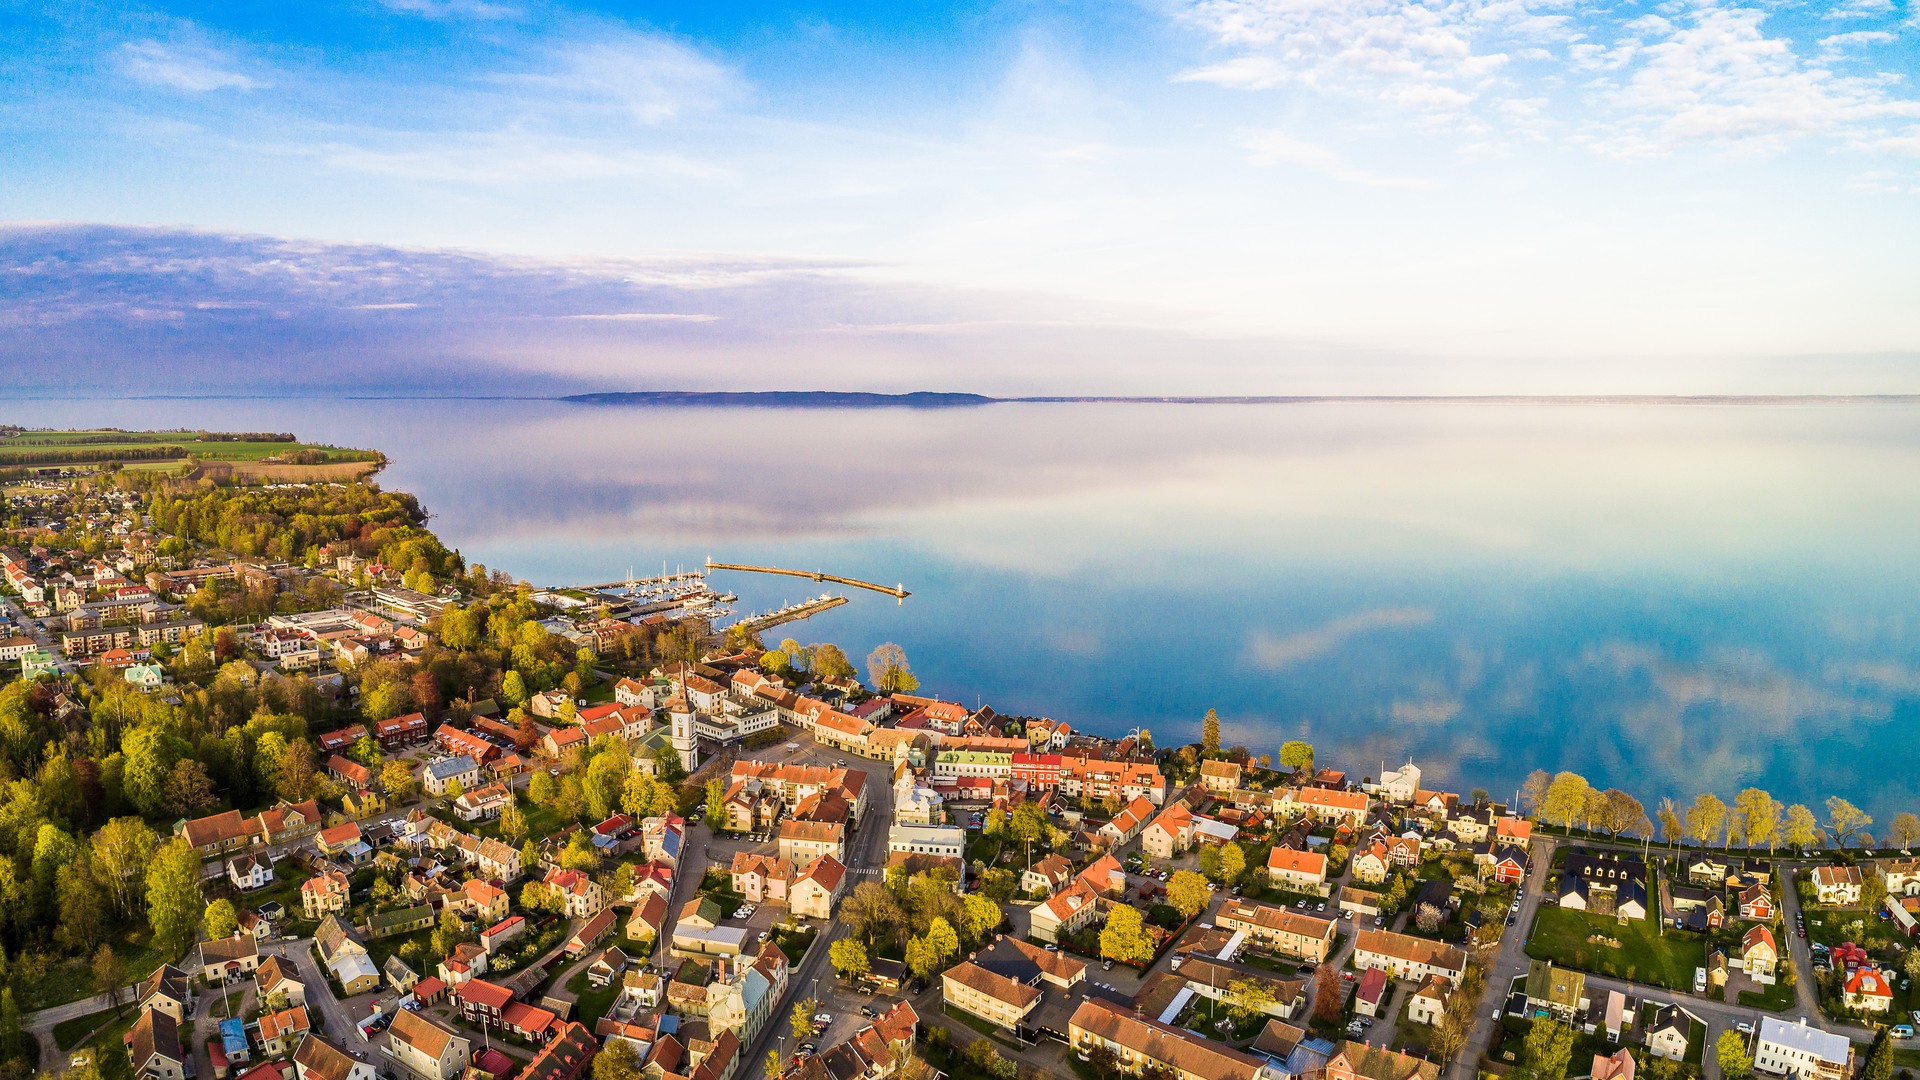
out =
column 829, row 399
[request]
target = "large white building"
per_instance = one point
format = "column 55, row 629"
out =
column 1784, row 1049
column 946, row 841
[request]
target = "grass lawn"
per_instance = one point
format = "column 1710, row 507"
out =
column 592, row 1002
column 108, row 1052
column 1643, row 956
column 1831, row 926
column 1776, row 998
column 72, row 978
column 1206, row 1013
column 984, row 1027
column 69, row 1033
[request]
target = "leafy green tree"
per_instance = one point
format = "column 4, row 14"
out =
column 1844, row 819
column 1566, row 799
column 618, row 1060
column 829, row 663
column 1248, row 999
column 1187, row 891
column 1706, row 819
column 173, row 897
column 776, row 662
column 1210, row 734
column 1548, row 1049
column 1233, row 863
column 1125, row 937
column 982, row 916
column 1210, row 861
column 221, row 919
column 513, row 689
column 801, row 1020
column 542, row 789
column 1297, row 755
column 717, row 798
column 1735, row 1060
column 1802, row 829
column 944, row 939
column 999, row 884
column 82, row 907
column 120, row 853
column 109, row 974
column 1904, row 830
column 367, row 752
column 850, row 958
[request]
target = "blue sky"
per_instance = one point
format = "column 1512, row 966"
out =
column 1260, row 196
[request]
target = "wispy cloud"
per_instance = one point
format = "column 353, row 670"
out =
column 451, row 9
column 1272, row 652
column 196, row 70
column 1280, row 148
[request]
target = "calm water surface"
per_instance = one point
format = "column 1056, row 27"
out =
column 1664, row 598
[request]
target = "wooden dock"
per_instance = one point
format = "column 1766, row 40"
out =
column 793, row 613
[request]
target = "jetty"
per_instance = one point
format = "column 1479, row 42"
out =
column 898, row 592
column 805, row 609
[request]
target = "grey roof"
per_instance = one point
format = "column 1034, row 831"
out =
column 1821, row 1044
column 451, row 767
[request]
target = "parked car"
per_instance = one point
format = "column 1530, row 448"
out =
column 868, row 1011
column 1903, row 1031
column 1107, row 966
column 1744, row 1027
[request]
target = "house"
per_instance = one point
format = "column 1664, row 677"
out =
column 483, row 803
column 1399, row 785
column 1669, row 1031
column 1613, row 1016
column 153, row 1047
column 426, row 1047
column 1279, row 929
column 1868, row 991
column 228, row 958
column 1615, row 1066
column 1604, row 883
column 649, row 915
column 1782, row 1049
column 443, row 774
column 1756, row 903
column 1371, row 865
column 606, row 967
column 1140, row 1044
column 1048, row 875
column 401, row 732
column 324, row 892
column 339, row 742
column 818, row 888
column 169, row 990
column 804, row 841
column 1212, row 977
column 581, row 894
column 398, row 975
column 277, row 975
column 1297, row 871
column 356, row 973
column 340, row 839
column 1065, row 913
column 1170, row 833
column 399, row 921
column 1556, row 991
column 318, row 1059
column 1759, row 955
column 1509, row 865
column 761, row 878
column 283, row 1030
column 1839, row 885
column 1358, row 1061
column 997, row 999
column 219, row 833
column 1428, row 1005
column 1127, row 823
column 250, row 871
column 570, row 1050
column 1219, row 776
column 349, row 772
column 1407, row 957
column 493, row 937
column 1326, row 805
column 591, row 932
column 1367, row 996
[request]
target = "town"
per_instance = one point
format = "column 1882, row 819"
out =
column 296, row 794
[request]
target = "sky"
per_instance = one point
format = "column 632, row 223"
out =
column 1164, row 196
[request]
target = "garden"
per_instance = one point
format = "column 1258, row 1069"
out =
column 1633, row 950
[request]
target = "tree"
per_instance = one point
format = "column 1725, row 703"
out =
column 999, row 884
column 454, row 789
column 618, row 1060
column 173, row 897
column 872, row 909
column 1903, row 830
column 1124, row 938
column 1429, row 917
column 221, row 919
column 1297, row 755
column 983, row 917
column 1210, row 734
column 776, row 662
column 1735, row 1061
column 1873, row 891
column 1670, row 827
column 1247, row 999
column 513, row 689
column 1623, row 812
column 513, row 824
column 1548, row 1048
column 887, row 667
column 120, row 853
column 717, row 798
column 944, row 939
column 775, row 1067
column 189, row 788
column 1879, row 1064
column 1533, row 792
column 297, row 771
column 849, row 958
column 1706, row 818
column 1566, row 799
column 82, row 912
column 1844, row 819
column 397, row 775
column 801, row 1020
column 830, row 663
column 1328, row 994
column 1187, row 892
column 1754, row 818
column 1233, row 863
column 1210, row 861
column 111, row 975
column 542, row 789
column 1802, row 829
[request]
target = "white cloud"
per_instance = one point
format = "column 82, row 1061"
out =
column 451, row 9
column 1279, row 148
column 1273, row 653
column 196, row 70
column 646, row 78
column 1836, row 47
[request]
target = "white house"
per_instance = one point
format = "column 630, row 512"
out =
column 250, row 871
column 1783, row 1049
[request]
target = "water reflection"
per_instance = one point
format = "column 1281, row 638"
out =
column 1663, row 598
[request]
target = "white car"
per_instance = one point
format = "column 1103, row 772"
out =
column 823, row 1019
column 1743, row 1027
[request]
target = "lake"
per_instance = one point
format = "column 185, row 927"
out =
column 1666, row 598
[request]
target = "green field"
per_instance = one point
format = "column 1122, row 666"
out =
column 52, row 447
column 1643, row 956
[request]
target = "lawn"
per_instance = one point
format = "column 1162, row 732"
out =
column 1643, row 955
column 1776, row 998
column 39, row 443
column 591, row 1002
column 69, row 1033
column 72, row 979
